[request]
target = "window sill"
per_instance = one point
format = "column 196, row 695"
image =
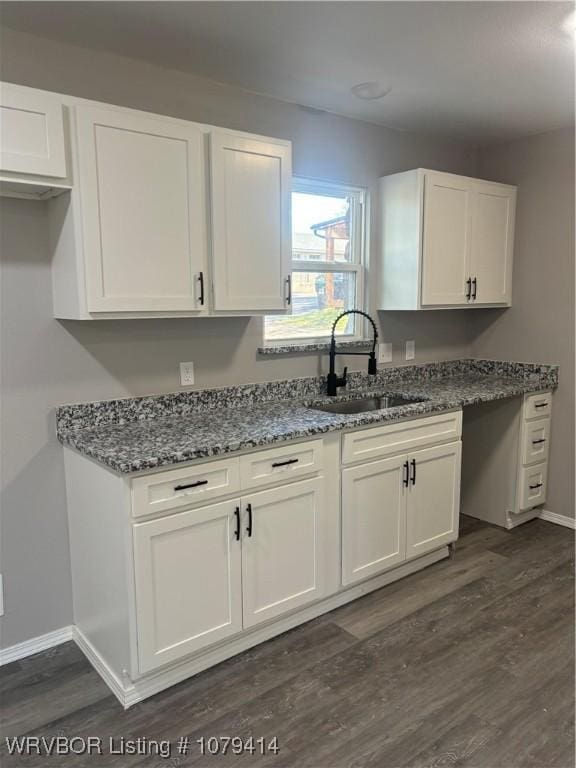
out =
column 290, row 348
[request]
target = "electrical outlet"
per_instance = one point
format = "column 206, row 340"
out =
column 385, row 352
column 410, row 350
column 186, row 374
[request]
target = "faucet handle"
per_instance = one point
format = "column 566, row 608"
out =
column 343, row 379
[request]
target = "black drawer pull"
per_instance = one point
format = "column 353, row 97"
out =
column 474, row 283
column 201, row 281
column 237, row 516
column 284, row 463
column 468, row 288
column 190, row 485
column 413, row 477
column 249, row 526
column 406, row 478
column 533, row 487
column 540, row 405
column 542, row 440
column 288, row 290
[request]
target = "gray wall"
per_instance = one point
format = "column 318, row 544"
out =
column 540, row 324
column 46, row 362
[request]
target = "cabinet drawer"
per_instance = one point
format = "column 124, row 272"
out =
column 184, row 487
column 533, row 486
column 535, row 441
column 401, row 437
column 280, row 464
column 536, row 406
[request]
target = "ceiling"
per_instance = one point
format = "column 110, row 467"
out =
column 480, row 71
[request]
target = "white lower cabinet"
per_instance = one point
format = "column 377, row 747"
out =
column 282, row 565
column 398, row 509
column 176, row 570
column 373, row 518
column 433, row 498
column 204, row 574
column 187, row 570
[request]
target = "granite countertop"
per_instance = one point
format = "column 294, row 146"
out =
column 139, row 434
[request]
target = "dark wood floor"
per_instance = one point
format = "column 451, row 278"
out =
column 468, row 663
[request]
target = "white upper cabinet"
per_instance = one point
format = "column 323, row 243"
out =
column 251, row 253
column 142, row 193
column 169, row 218
column 447, row 241
column 492, row 243
column 31, row 132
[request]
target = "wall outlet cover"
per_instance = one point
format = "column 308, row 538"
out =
column 186, row 374
column 385, row 352
column 410, row 350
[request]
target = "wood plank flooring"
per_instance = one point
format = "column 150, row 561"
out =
column 467, row 663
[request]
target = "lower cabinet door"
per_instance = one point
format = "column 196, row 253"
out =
column 187, row 582
column 433, row 504
column 373, row 518
column 282, row 565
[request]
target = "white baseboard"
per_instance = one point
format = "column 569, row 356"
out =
column 553, row 517
column 35, row 645
column 100, row 665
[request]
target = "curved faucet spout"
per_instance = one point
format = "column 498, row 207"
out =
column 334, row 381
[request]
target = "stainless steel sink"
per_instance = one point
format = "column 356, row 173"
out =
column 365, row 404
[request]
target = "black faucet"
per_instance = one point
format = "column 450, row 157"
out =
column 334, row 381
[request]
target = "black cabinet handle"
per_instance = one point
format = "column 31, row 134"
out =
column 533, row 487
column 406, row 478
column 468, row 288
column 190, row 485
column 284, row 463
column 249, row 526
column 237, row 516
column 542, row 440
column 540, row 405
column 413, row 476
column 288, row 290
column 474, row 285
column 201, row 281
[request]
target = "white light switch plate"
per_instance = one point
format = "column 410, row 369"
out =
column 385, row 352
column 186, row 374
column 410, row 350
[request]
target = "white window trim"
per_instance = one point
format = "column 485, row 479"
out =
column 359, row 221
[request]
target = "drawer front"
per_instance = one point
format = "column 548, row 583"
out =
column 537, row 406
column 536, row 439
column 401, row 437
column 533, row 486
column 280, row 464
column 184, row 487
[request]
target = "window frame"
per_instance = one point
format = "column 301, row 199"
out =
column 358, row 263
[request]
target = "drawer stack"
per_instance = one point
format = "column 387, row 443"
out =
column 534, row 447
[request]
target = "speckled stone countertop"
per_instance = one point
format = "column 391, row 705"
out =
column 139, row 434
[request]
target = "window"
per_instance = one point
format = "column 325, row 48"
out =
column 327, row 263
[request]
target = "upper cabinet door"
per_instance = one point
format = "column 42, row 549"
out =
column 282, row 564
column 187, row 572
column 143, row 187
column 31, row 132
column 492, row 243
column 446, row 239
column 251, row 180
